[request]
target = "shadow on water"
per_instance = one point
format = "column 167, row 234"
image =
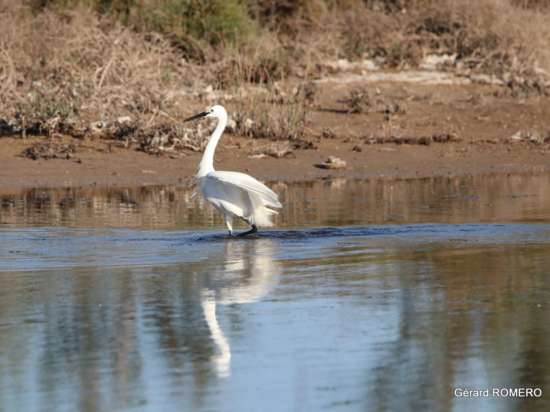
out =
column 426, row 230
column 302, row 234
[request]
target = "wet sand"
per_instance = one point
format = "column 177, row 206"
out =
column 126, row 168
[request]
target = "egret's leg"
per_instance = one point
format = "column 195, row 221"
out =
column 249, row 232
column 229, row 224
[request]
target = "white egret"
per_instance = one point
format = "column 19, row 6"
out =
column 233, row 194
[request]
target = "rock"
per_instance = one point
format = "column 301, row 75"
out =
column 435, row 61
column 276, row 150
column 257, row 156
column 97, row 128
column 343, row 64
column 531, row 137
column 327, row 133
column 332, row 162
column 124, row 119
column 536, row 138
column 517, row 137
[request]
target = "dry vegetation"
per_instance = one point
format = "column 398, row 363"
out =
column 128, row 70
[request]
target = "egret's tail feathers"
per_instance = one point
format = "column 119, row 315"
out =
column 271, row 211
column 268, row 201
column 262, row 215
column 272, row 202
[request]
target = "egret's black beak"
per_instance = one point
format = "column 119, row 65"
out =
column 197, row 116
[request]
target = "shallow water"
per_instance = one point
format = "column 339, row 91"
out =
column 369, row 295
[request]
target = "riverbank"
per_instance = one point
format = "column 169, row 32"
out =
column 404, row 130
column 126, row 168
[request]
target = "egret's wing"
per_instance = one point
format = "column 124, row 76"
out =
column 240, row 195
column 225, row 197
column 249, row 184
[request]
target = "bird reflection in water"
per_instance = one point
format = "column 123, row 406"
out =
column 247, row 275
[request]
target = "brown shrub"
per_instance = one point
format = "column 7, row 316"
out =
column 73, row 63
column 273, row 114
column 491, row 36
column 63, row 68
column 262, row 61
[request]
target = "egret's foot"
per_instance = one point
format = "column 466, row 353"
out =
column 249, row 232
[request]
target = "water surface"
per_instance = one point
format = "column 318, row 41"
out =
column 369, row 295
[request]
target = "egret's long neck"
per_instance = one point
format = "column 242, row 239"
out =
column 207, row 163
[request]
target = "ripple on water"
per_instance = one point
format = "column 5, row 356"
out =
column 46, row 248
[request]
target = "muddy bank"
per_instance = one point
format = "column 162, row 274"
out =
column 123, row 168
column 393, row 129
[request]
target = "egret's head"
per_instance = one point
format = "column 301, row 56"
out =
column 216, row 111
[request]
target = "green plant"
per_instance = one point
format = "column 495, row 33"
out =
column 55, row 109
column 216, row 21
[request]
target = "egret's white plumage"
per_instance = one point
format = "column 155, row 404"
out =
column 234, row 194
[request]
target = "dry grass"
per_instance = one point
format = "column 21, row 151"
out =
column 68, row 70
column 68, row 63
column 491, row 35
column 72, row 73
column 274, row 114
column 504, row 38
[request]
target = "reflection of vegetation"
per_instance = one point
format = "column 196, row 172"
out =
column 335, row 202
column 476, row 323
